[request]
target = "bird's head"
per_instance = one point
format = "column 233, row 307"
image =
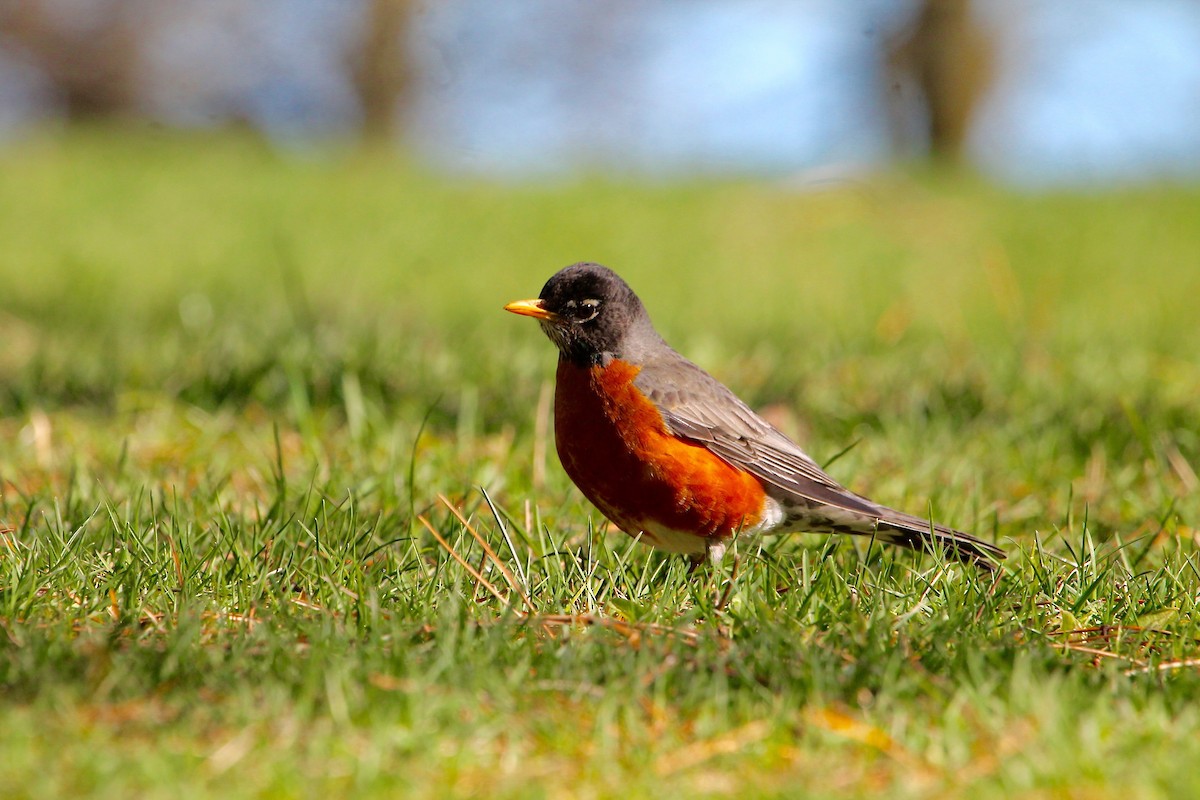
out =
column 589, row 313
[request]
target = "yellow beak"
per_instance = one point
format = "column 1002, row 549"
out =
column 531, row 308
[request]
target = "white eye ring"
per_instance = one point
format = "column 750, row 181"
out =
column 594, row 305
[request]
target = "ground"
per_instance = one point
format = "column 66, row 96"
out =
column 282, row 518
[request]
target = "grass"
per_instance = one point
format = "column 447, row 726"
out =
column 281, row 517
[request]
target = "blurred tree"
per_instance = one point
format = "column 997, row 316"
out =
column 89, row 50
column 937, row 69
column 380, row 66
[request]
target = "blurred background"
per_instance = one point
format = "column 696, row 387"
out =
column 872, row 215
column 1033, row 93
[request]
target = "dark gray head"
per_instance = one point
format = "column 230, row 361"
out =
column 590, row 314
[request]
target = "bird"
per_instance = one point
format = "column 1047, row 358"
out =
column 671, row 456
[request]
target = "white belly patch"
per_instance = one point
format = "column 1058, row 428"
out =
column 673, row 541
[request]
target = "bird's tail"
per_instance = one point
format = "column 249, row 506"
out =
column 906, row 530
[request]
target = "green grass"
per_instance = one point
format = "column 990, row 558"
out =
column 233, row 386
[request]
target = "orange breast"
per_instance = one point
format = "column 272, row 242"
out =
column 614, row 445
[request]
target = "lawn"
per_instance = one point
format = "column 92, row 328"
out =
column 281, row 515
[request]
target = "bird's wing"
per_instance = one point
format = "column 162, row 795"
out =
column 696, row 406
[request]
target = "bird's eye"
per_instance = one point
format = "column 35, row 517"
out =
column 588, row 309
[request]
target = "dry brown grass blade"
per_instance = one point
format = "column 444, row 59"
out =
column 1097, row 632
column 697, row 753
column 845, row 725
column 7, row 541
column 1141, row 639
column 1183, row 470
column 304, row 602
column 1163, row 667
column 1098, row 653
column 508, row 576
column 474, row 572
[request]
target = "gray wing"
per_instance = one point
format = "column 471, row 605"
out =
column 709, row 414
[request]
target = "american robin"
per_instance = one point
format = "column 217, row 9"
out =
column 669, row 454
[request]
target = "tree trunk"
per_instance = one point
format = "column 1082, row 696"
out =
column 92, row 65
column 380, row 67
column 948, row 59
